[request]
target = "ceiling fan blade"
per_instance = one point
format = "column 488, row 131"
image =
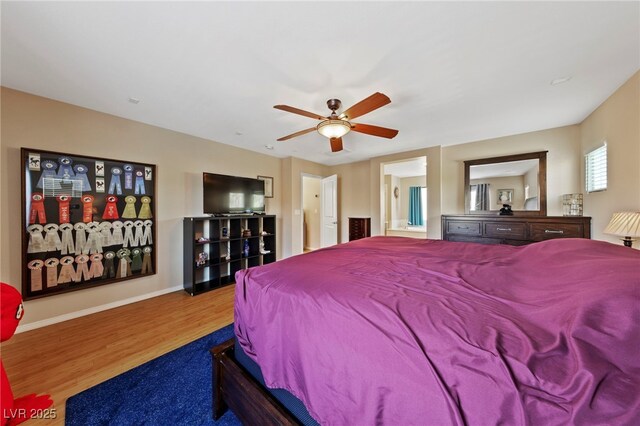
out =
column 299, row 111
column 368, row 129
column 300, row 133
column 336, row 144
column 373, row 102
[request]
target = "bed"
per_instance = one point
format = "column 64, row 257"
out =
column 392, row 330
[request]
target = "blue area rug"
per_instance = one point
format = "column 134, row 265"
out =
column 174, row 389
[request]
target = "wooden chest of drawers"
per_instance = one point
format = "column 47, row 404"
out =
column 359, row 227
column 514, row 230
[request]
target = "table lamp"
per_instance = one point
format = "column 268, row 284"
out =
column 624, row 224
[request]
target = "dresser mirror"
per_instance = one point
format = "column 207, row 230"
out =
column 518, row 180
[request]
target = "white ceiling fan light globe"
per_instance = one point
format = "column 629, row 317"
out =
column 333, row 128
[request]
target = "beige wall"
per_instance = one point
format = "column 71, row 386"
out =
column 563, row 164
column 293, row 169
column 34, row 122
column 391, row 203
column 617, row 121
column 353, row 194
column 387, row 197
column 376, row 203
column 39, row 123
column 507, row 182
column 353, row 197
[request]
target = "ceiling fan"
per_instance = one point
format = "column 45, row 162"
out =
column 336, row 126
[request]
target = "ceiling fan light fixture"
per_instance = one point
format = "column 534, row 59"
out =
column 334, row 128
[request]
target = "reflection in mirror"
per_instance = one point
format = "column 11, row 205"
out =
column 405, row 198
column 514, row 183
column 518, row 180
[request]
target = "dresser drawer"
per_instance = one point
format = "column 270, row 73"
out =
column 505, row 230
column 464, row 227
column 359, row 228
column 513, row 230
column 547, row 231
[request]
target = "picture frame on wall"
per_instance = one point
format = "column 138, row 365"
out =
column 268, row 186
column 86, row 221
column 504, row 196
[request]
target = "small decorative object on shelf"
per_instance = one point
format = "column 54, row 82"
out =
column 203, row 240
column 506, row 210
column 202, row 259
column 225, row 232
column 572, row 205
column 245, row 250
column 246, row 233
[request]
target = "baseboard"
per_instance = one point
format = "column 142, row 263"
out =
column 95, row 309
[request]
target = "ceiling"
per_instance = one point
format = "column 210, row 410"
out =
column 407, row 168
column 455, row 72
column 511, row 168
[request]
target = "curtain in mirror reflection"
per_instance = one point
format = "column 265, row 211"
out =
column 480, row 197
column 416, row 213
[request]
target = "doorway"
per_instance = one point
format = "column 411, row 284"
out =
column 404, row 210
column 311, row 226
column 319, row 211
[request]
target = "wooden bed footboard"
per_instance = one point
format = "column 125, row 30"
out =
column 237, row 390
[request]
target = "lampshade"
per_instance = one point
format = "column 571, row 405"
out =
column 334, row 128
column 624, row 224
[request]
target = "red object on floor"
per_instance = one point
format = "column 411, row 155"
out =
column 15, row 411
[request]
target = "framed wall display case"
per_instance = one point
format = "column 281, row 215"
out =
column 85, row 222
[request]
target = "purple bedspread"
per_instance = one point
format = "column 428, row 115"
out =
column 400, row 331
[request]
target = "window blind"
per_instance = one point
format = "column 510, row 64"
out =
column 596, row 169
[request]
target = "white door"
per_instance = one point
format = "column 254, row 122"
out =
column 329, row 206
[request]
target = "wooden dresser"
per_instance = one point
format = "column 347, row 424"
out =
column 359, row 227
column 514, row 230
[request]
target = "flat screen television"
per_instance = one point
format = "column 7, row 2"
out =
column 232, row 194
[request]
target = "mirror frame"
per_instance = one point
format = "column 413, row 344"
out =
column 542, row 182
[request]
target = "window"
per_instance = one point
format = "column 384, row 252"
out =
column 596, row 169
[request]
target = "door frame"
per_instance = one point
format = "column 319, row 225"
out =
column 384, row 193
column 301, row 224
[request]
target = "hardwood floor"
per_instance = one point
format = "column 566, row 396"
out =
column 69, row 357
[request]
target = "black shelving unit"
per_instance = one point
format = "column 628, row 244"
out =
column 220, row 242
